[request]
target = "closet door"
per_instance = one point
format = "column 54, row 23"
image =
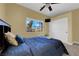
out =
column 59, row 29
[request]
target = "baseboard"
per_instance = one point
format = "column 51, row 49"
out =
column 68, row 43
column 75, row 42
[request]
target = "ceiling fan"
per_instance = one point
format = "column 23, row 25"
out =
column 48, row 5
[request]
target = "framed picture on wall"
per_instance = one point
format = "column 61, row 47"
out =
column 34, row 25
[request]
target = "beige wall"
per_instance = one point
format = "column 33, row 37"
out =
column 2, row 11
column 75, row 23
column 16, row 15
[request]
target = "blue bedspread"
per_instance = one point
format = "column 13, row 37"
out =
column 37, row 46
column 46, row 47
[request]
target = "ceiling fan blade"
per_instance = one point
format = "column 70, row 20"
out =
column 42, row 8
column 54, row 3
column 50, row 8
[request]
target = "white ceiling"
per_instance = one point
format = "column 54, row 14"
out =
column 57, row 8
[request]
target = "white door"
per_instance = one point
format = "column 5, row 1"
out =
column 59, row 29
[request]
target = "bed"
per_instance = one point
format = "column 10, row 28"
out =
column 36, row 46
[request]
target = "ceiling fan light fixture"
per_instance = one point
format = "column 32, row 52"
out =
column 47, row 5
column 50, row 9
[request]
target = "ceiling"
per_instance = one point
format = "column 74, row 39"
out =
column 57, row 8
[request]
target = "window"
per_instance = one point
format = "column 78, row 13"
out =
column 34, row 25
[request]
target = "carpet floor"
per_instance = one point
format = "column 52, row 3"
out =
column 72, row 49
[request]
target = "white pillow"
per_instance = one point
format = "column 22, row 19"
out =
column 11, row 38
